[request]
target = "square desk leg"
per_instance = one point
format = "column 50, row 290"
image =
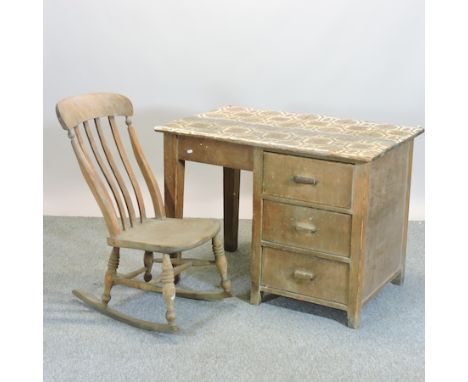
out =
column 174, row 172
column 231, row 184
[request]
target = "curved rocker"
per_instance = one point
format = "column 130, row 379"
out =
column 163, row 283
column 127, row 223
column 93, row 302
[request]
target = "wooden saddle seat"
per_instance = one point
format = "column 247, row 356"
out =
column 164, row 235
column 91, row 121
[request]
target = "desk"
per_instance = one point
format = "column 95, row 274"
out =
column 330, row 198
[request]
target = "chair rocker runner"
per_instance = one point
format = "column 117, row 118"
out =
column 129, row 227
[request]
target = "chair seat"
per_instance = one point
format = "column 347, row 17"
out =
column 167, row 235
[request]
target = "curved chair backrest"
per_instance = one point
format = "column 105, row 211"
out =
column 86, row 112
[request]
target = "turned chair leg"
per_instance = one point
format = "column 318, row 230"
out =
column 112, row 266
column 148, row 262
column 168, row 290
column 221, row 262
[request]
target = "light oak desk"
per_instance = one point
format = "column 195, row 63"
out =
column 330, row 202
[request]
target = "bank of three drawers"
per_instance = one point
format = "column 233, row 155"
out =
column 326, row 230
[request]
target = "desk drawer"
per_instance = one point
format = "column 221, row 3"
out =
column 309, row 180
column 306, row 227
column 305, row 274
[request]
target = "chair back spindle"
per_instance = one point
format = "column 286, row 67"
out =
column 115, row 170
column 107, row 175
column 128, row 168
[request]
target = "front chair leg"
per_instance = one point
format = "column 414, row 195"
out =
column 168, row 290
column 148, row 262
column 221, row 262
column 112, row 266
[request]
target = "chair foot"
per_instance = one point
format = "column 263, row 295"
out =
column 221, row 262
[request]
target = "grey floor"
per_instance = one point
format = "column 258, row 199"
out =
column 231, row 340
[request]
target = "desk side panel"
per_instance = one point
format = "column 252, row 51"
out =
column 387, row 218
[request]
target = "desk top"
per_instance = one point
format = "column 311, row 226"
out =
column 315, row 135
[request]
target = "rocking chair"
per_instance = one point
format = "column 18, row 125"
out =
column 126, row 228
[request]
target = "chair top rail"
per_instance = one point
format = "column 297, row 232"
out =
column 75, row 110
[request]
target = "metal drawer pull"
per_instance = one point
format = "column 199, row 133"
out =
column 311, row 228
column 305, row 180
column 304, row 275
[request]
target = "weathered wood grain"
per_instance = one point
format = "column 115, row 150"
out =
column 388, row 216
column 325, row 191
column 327, row 280
column 306, row 227
column 308, row 180
column 169, row 236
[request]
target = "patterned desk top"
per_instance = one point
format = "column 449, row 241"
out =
column 316, row 135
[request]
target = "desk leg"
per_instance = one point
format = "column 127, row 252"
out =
column 255, row 258
column 174, row 172
column 360, row 205
column 401, row 276
column 231, row 181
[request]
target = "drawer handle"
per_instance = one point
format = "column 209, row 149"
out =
column 311, row 228
column 304, row 275
column 305, row 180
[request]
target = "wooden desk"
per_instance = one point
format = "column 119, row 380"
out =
column 330, row 203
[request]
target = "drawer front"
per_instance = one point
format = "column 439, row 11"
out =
column 309, row 180
column 305, row 274
column 306, row 227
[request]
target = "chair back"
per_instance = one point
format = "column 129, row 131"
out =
column 98, row 115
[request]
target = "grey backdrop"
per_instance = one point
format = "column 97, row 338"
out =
column 354, row 59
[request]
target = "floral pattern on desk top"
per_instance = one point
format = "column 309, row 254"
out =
column 316, row 135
